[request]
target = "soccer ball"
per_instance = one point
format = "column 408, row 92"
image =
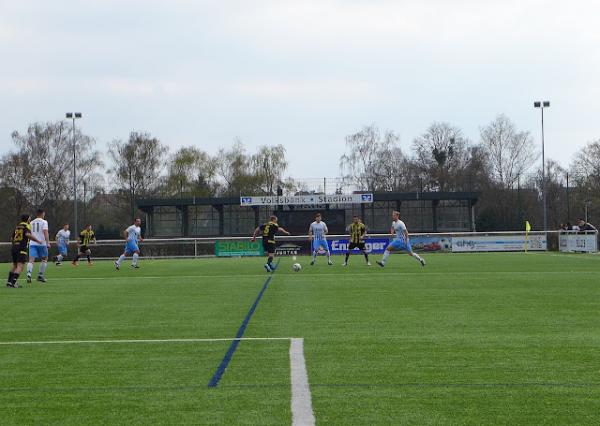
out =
column 297, row 267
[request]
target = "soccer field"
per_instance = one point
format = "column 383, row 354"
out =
column 469, row 339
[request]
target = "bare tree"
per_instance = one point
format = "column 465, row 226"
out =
column 510, row 152
column 137, row 165
column 585, row 171
column 372, row 162
column 442, row 155
column 41, row 169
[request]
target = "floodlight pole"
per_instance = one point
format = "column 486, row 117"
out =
column 73, row 116
column 542, row 105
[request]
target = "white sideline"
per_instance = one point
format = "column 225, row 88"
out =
column 302, row 412
column 82, row 342
column 320, row 274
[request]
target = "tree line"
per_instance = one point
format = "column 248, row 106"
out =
column 503, row 165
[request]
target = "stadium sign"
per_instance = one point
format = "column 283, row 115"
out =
column 238, row 248
column 260, row 200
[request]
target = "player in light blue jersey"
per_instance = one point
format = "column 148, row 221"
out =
column 400, row 242
column 62, row 242
column 316, row 234
column 132, row 234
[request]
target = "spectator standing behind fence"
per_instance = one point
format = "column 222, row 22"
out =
column 585, row 226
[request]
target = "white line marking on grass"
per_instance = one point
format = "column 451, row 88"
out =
column 83, row 342
column 344, row 274
column 139, row 277
column 578, row 256
column 302, row 412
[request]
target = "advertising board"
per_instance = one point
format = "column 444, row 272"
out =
column 475, row 243
column 238, row 248
column 571, row 242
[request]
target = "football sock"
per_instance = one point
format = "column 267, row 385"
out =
column 385, row 256
column 29, row 268
column 43, row 267
column 59, row 258
column 76, row 259
column 347, row 256
column 270, row 260
column 15, row 277
column 10, row 277
column 89, row 258
column 416, row 256
column 135, row 259
column 366, row 256
column 314, row 255
column 121, row 259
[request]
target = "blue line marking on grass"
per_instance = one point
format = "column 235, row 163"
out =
column 234, row 344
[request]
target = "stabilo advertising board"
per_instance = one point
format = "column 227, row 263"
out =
column 475, row 243
column 238, row 248
column 584, row 243
column 312, row 199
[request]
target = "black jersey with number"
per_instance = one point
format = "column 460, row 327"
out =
column 20, row 238
column 268, row 231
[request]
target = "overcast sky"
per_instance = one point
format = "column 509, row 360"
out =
column 301, row 73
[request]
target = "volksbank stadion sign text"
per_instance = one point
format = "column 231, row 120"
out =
column 259, row 200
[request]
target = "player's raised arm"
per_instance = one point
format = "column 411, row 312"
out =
column 283, row 230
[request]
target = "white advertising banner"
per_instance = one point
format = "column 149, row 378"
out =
column 476, row 243
column 587, row 243
column 260, row 200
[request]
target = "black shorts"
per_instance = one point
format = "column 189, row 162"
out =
column 19, row 256
column 269, row 246
column 83, row 249
column 360, row 246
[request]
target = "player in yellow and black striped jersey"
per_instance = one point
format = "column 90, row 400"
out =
column 358, row 233
column 20, row 249
column 86, row 237
column 268, row 231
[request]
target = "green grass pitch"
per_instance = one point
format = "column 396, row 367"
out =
column 469, row 339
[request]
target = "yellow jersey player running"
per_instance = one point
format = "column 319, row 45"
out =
column 401, row 242
column 86, row 237
column 358, row 233
column 268, row 231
